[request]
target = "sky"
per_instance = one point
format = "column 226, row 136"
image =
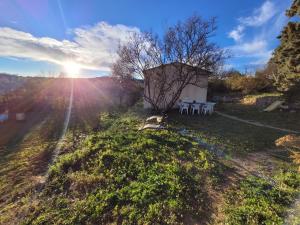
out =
column 41, row 37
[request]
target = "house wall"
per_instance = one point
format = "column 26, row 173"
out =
column 190, row 92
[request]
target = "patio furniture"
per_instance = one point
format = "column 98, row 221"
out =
column 179, row 105
column 195, row 107
column 206, row 109
column 211, row 106
column 184, row 107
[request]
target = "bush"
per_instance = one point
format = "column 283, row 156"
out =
column 246, row 84
column 239, row 83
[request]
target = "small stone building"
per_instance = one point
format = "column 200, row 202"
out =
column 191, row 92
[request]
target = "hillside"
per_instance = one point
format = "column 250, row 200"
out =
column 10, row 82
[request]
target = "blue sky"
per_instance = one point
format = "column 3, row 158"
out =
column 38, row 37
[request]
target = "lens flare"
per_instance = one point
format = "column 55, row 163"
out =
column 72, row 69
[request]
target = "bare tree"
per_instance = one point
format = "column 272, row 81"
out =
column 186, row 45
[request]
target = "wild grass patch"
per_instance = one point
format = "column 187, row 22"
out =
column 257, row 201
column 122, row 175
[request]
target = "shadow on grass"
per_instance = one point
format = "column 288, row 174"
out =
column 283, row 119
column 232, row 136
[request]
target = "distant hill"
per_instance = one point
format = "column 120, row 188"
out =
column 9, row 82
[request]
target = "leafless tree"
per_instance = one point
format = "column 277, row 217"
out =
column 186, row 45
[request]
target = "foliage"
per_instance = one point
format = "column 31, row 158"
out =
column 287, row 55
column 121, row 175
column 257, row 201
column 294, row 10
column 234, row 81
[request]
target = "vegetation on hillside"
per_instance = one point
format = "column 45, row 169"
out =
column 234, row 82
column 122, row 175
column 117, row 174
column 258, row 201
column 9, row 82
column 28, row 147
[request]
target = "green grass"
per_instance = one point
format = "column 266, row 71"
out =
column 232, row 136
column 22, row 162
column 122, row 175
column 253, row 200
column 257, row 201
column 119, row 175
column 25, row 161
column 284, row 119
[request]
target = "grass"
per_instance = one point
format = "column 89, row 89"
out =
column 257, row 201
column 22, row 163
column 111, row 173
column 121, row 175
column 251, row 199
column 284, row 119
column 231, row 136
column 27, row 148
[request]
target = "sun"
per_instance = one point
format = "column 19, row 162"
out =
column 72, row 69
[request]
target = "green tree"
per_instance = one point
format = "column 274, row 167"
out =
column 287, row 55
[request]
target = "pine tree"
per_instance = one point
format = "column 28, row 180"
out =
column 287, row 55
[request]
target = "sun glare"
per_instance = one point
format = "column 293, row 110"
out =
column 72, row 69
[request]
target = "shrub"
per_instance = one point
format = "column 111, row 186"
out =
column 246, row 84
column 239, row 83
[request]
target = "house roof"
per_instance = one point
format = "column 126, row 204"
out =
column 202, row 71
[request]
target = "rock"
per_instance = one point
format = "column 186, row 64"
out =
column 152, row 126
column 155, row 119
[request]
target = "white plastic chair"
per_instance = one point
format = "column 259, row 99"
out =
column 179, row 105
column 195, row 107
column 211, row 107
column 206, row 110
column 184, row 106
